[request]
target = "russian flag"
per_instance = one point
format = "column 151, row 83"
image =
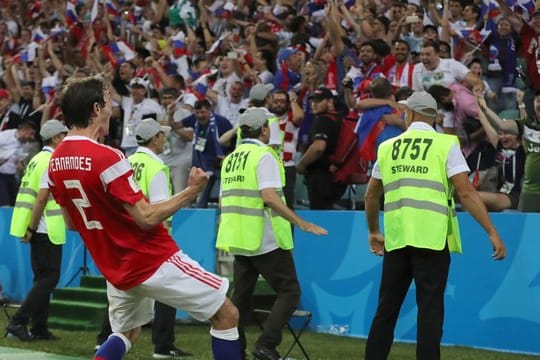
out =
column 226, row 11
column 201, row 88
column 111, row 8
column 57, row 31
column 38, row 35
column 490, row 9
column 370, row 127
column 25, row 57
column 48, row 86
column 474, row 36
column 356, row 76
column 221, row 12
column 216, row 44
column 117, row 52
column 71, row 14
column 113, row 46
column 137, row 14
column 110, row 51
column 16, row 59
column 218, row 8
column 179, row 48
column 527, row 5
column 125, row 49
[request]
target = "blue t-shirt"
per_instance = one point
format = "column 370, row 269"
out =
column 206, row 147
column 293, row 79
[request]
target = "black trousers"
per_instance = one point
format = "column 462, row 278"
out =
column 429, row 269
column 323, row 192
column 290, row 183
column 9, row 187
column 46, row 259
column 277, row 268
column 162, row 328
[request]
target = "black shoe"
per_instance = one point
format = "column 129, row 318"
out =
column 18, row 331
column 44, row 336
column 262, row 353
column 173, row 353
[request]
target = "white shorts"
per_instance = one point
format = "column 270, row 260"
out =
column 179, row 282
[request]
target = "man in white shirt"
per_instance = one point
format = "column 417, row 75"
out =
column 229, row 106
column 13, row 150
column 177, row 154
column 136, row 107
column 432, row 70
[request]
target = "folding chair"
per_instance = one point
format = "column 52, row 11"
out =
column 6, row 305
column 296, row 334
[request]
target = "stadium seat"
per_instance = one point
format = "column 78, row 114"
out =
column 305, row 318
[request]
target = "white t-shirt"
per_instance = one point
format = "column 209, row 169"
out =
column 222, row 85
column 11, row 151
column 228, row 109
column 446, row 73
column 159, row 186
column 44, row 184
column 455, row 163
column 133, row 114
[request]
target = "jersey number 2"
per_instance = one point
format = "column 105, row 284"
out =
column 82, row 203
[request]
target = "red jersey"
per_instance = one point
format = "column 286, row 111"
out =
column 92, row 182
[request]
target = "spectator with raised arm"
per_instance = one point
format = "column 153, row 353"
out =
column 528, row 127
column 509, row 165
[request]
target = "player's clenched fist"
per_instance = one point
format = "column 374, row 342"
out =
column 197, row 178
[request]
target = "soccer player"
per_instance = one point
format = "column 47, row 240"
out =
column 123, row 232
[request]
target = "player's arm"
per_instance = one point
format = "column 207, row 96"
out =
column 274, row 202
column 148, row 215
column 475, row 206
column 372, row 198
column 67, row 220
column 37, row 211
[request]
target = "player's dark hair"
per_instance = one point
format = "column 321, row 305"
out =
column 77, row 100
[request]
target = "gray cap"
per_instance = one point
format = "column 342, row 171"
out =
column 148, row 128
column 422, row 102
column 52, row 128
column 260, row 91
column 254, row 117
column 181, row 114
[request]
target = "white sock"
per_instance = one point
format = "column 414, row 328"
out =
column 228, row 334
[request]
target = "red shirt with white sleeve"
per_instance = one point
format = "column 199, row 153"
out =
column 92, row 182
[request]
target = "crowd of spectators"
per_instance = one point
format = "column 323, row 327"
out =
column 191, row 64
